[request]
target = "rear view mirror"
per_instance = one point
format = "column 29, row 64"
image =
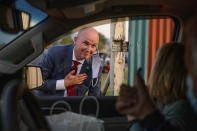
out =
column 13, row 20
column 33, row 77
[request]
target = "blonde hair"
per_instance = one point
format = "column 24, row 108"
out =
column 167, row 79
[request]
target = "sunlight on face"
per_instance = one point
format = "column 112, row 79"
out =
column 86, row 43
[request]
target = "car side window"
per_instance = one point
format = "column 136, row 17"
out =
column 142, row 38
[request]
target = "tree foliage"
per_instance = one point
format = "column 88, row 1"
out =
column 63, row 41
column 102, row 41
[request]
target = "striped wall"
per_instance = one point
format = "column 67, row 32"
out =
column 145, row 37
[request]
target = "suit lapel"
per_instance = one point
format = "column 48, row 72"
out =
column 68, row 59
column 86, row 67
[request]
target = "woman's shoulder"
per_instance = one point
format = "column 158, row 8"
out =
column 181, row 115
column 180, row 110
column 179, row 106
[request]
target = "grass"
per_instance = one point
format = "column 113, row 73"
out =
column 104, row 76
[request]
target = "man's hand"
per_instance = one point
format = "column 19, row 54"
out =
column 135, row 101
column 72, row 79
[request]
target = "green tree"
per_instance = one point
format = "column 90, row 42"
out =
column 102, row 41
column 65, row 40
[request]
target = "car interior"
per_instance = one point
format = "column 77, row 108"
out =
column 28, row 27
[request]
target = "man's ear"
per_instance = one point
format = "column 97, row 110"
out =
column 75, row 39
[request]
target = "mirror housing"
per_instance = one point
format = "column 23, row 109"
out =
column 13, row 20
column 33, row 76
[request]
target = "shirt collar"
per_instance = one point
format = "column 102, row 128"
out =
column 74, row 58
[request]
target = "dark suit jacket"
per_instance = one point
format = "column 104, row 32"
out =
column 57, row 64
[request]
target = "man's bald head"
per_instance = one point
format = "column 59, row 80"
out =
column 84, row 30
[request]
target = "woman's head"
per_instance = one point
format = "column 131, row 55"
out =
column 167, row 78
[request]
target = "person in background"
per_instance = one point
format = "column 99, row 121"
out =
column 141, row 106
column 107, row 67
column 67, row 69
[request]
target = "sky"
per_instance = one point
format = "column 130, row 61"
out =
column 104, row 29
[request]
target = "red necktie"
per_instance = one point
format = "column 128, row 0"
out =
column 71, row 89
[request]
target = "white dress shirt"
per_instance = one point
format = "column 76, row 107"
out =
column 60, row 83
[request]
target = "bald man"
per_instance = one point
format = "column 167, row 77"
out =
column 67, row 69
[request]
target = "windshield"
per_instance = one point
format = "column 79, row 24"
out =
column 36, row 17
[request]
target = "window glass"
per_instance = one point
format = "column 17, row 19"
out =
column 36, row 17
column 144, row 36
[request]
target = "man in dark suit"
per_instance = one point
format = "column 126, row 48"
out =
column 67, row 69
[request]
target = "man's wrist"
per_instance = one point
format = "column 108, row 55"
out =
column 60, row 84
column 65, row 84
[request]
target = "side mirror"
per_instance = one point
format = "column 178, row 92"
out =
column 33, row 76
column 13, row 20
